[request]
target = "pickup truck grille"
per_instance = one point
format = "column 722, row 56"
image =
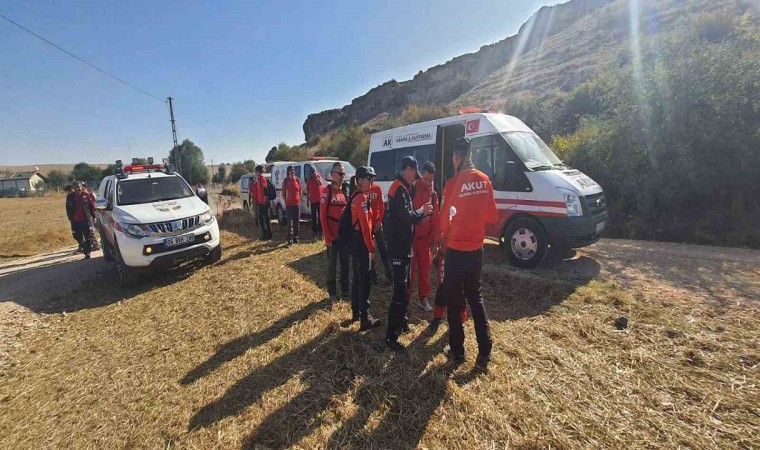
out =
column 597, row 203
column 175, row 226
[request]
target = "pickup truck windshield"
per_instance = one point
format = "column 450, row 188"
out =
column 149, row 190
column 532, row 150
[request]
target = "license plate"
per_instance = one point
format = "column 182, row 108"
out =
column 600, row 226
column 179, row 240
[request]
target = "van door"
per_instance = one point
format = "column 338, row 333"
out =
column 444, row 149
column 305, row 207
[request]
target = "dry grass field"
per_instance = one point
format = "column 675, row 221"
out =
column 33, row 225
column 249, row 354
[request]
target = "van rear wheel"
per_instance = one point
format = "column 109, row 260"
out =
column 524, row 243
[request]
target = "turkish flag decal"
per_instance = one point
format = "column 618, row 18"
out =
column 472, row 126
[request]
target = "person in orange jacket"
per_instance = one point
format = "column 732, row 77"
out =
column 362, row 249
column 262, row 201
column 291, row 194
column 314, row 194
column 333, row 202
column 426, row 235
column 467, row 207
column 377, row 204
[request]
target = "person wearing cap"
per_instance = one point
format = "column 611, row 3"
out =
column 377, row 204
column 262, row 203
column 362, row 249
column 314, row 194
column 401, row 220
column 332, row 204
column 468, row 206
column 291, row 194
column 426, row 235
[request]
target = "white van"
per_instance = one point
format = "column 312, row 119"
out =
column 541, row 201
column 323, row 165
column 245, row 181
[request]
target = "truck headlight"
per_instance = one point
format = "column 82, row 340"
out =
column 207, row 217
column 573, row 203
column 136, row 231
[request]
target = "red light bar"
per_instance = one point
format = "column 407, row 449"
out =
column 141, row 168
column 471, row 110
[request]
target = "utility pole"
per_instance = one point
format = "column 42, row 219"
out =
column 174, row 135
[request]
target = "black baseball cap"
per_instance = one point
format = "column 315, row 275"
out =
column 411, row 161
column 365, row 172
column 259, row 168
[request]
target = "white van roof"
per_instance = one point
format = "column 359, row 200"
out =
column 422, row 133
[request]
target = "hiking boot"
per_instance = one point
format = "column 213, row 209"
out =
column 425, row 304
column 296, row 241
column 369, row 323
column 406, row 327
column 455, row 358
column 481, row 362
column 434, row 324
column 86, row 256
column 394, row 345
column 290, row 243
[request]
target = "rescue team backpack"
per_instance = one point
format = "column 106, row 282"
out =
column 271, row 192
column 346, row 226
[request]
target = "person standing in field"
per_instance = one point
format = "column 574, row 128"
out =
column 362, row 249
column 426, row 235
column 468, row 206
column 71, row 205
column 262, row 203
column 94, row 219
column 332, row 204
column 377, row 204
column 314, row 194
column 291, row 194
column 401, row 220
column 84, row 210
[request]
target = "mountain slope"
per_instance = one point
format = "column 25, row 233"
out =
column 557, row 48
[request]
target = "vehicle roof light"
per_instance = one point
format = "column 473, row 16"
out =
column 472, row 110
column 323, row 158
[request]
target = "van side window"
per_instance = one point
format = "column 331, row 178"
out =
column 297, row 170
column 384, row 165
column 244, row 183
column 508, row 170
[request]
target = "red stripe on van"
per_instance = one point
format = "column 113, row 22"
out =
column 510, row 212
column 512, row 201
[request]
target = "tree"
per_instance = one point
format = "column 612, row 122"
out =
column 87, row 173
column 56, row 179
column 270, row 156
column 221, row 175
column 241, row 168
column 187, row 159
column 109, row 170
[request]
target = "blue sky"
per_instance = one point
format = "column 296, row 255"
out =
column 244, row 74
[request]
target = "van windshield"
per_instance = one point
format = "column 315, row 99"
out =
column 531, row 150
column 325, row 167
column 148, row 190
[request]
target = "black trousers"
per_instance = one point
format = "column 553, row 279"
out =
column 316, row 222
column 294, row 221
column 83, row 235
column 462, row 273
column 338, row 251
column 397, row 310
column 360, row 285
column 264, row 222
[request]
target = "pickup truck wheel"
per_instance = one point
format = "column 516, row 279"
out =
column 281, row 217
column 524, row 243
column 128, row 276
column 214, row 255
column 107, row 252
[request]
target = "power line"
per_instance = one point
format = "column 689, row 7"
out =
column 82, row 60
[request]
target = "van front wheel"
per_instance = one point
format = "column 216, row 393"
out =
column 524, row 243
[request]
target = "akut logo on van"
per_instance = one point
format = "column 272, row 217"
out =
column 473, row 188
column 407, row 138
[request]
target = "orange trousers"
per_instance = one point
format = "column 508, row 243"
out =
column 421, row 262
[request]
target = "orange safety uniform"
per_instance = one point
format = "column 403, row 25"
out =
column 333, row 202
column 377, row 204
column 468, row 205
column 425, row 234
column 292, row 190
column 361, row 218
column 314, row 188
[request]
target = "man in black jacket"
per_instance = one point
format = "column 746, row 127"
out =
column 400, row 232
column 71, row 206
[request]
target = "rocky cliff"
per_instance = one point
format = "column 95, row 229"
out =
column 557, row 48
